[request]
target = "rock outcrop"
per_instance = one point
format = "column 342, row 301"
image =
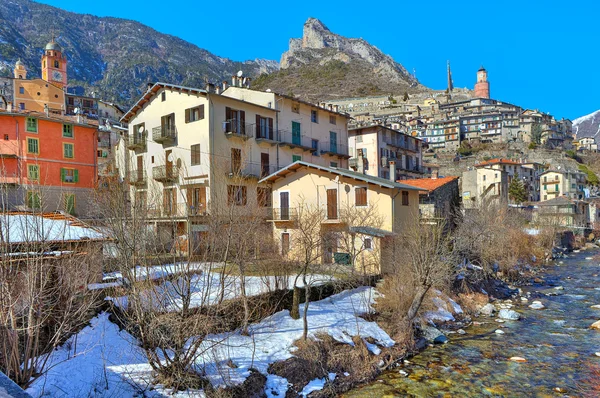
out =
column 587, row 126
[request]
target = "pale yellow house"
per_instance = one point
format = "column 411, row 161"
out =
column 557, row 183
column 359, row 214
column 484, row 185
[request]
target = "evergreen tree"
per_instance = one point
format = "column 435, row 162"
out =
column 405, row 97
column 517, row 191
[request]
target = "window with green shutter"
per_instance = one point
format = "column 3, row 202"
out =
column 296, row 158
column 33, row 146
column 68, row 130
column 69, row 203
column 32, row 125
column 33, row 172
column 69, row 175
column 68, row 151
column 33, row 200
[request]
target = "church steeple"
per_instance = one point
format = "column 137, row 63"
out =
column 450, row 84
column 20, row 71
column 54, row 64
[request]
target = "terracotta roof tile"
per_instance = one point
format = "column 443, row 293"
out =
column 429, row 184
column 497, row 161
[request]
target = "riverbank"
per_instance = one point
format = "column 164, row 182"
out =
column 555, row 343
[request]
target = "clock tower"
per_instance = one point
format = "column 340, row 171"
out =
column 54, row 65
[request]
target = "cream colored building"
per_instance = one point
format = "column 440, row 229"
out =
column 383, row 152
column 190, row 152
column 556, row 183
column 484, row 185
column 342, row 197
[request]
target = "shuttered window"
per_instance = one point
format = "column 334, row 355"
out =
column 195, row 154
column 360, row 196
column 263, row 195
column 32, row 125
column 68, row 151
column 194, row 114
column 236, row 195
column 69, row 203
column 68, row 130
column 404, row 198
column 33, row 172
column 69, row 175
column 33, row 146
column 33, row 200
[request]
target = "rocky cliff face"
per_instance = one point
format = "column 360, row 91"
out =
column 588, row 126
column 325, row 65
column 112, row 57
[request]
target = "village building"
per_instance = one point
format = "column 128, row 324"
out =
column 386, row 153
column 340, row 195
column 484, row 185
column 569, row 183
column 562, row 211
column 439, row 199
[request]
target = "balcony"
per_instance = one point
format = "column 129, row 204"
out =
column 137, row 141
column 335, row 149
column 8, row 149
column 104, row 144
column 235, row 128
column 283, row 214
column 265, row 134
column 287, row 138
column 555, row 181
column 251, row 170
column 164, row 134
column 137, row 179
column 165, row 173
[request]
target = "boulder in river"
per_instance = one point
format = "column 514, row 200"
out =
column 509, row 314
column 487, row 309
column 441, row 339
column 499, row 331
column 537, row 305
column 517, row 359
column 430, row 333
column 596, row 306
column 595, row 325
column 555, row 291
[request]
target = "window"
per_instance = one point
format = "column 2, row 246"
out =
column 484, row 177
column 68, row 130
column 360, row 195
column 556, row 187
column 99, row 154
column 368, row 243
column 263, row 196
column 21, row 90
column 69, row 203
column 194, row 114
column 404, row 198
column 333, row 164
column 296, row 108
column 33, row 172
column 195, row 154
column 315, row 147
column 152, row 159
column 21, row 106
column 68, row 151
column 31, row 123
column 163, row 96
column 33, row 200
column 236, row 195
column 314, row 116
column 236, row 160
column 33, row 146
column 56, row 64
column 5, row 137
column 264, row 127
column 296, row 158
column 332, row 119
column 69, row 175
column 285, row 243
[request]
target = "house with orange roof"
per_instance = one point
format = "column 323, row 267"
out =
column 528, row 172
column 439, row 198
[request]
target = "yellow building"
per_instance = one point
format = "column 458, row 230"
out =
column 556, row 183
column 358, row 214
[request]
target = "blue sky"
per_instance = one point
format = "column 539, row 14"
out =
column 539, row 54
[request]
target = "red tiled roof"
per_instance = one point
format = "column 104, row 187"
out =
column 497, row 161
column 429, row 184
column 52, row 116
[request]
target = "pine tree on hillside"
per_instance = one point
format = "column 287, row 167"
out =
column 517, row 191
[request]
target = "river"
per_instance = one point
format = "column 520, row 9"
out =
column 556, row 341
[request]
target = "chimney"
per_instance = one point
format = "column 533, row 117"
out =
column 46, row 110
column 225, row 85
column 393, row 170
column 149, row 86
column 360, row 165
column 9, row 107
column 217, row 89
column 234, row 81
column 79, row 120
column 248, row 80
column 335, row 108
column 435, row 174
column 330, row 107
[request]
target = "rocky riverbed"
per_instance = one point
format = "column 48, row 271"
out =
column 548, row 351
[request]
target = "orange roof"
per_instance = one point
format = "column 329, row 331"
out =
column 497, row 161
column 429, row 184
column 85, row 122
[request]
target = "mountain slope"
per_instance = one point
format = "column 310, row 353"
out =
column 325, row 65
column 587, row 126
column 113, row 57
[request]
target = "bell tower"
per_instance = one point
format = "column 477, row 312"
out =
column 54, row 64
column 20, row 71
column 482, row 87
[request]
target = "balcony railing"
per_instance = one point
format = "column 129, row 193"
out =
column 137, row 178
column 235, row 128
column 104, row 144
column 287, row 138
column 265, row 134
column 398, row 142
column 335, row 149
column 251, row 170
column 162, row 134
column 165, row 173
column 283, row 214
column 137, row 141
column 555, row 181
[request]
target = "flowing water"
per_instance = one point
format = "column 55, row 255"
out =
column 556, row 341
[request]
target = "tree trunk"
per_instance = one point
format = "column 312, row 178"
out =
column 305, row 315
column 416, row 303
column 295, row 311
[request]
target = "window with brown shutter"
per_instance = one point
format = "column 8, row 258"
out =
column 236, row 195
column 195, row 149
column 263, row 195
column 404, row 198
column 361, row 196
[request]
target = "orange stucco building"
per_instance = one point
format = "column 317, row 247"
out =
column 48, row 161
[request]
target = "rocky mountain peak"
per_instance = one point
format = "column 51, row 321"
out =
column 588, row 126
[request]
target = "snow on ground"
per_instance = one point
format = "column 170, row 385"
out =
column 108, row 362
column 446, row 308
column 36, row 228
